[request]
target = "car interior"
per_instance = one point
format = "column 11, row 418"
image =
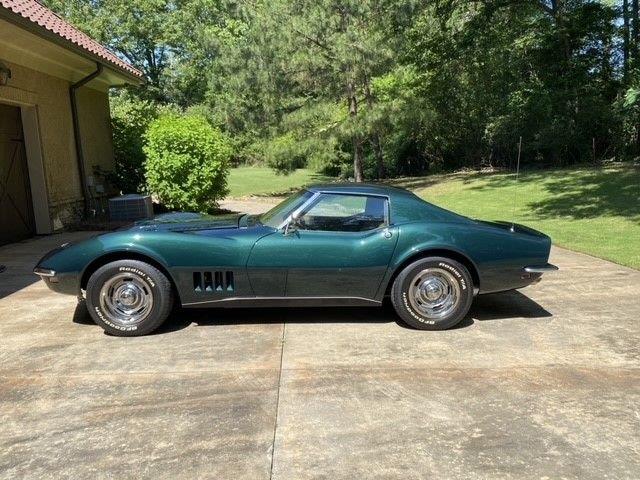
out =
column 345, row 213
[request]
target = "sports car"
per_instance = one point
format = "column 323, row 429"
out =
column 326, row 245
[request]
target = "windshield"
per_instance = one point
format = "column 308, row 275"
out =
column 279, row 213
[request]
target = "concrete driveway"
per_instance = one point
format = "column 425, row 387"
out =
column 539, row 384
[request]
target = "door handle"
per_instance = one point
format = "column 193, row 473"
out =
column 387, row 233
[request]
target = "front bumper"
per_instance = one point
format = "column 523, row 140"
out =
column 66, row 283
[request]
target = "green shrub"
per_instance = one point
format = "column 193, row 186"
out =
column 130, row 118
column 187, row 162
column 287, row 152
column 284, row 153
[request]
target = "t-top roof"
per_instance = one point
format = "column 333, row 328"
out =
column 362, row 188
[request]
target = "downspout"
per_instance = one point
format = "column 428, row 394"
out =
column 76, row 134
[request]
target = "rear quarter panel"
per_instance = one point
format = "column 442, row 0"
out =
column 498, row 255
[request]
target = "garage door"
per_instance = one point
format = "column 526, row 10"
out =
column 16, row 212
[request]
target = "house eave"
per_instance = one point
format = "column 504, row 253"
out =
column 123, row 75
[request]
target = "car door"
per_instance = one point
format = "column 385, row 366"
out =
column 340, row 247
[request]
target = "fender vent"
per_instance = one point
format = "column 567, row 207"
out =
column 213, row 282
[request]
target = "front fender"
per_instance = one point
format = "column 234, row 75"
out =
column 67, row 264
column 180, row 254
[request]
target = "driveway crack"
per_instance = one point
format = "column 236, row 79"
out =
column 275, row 423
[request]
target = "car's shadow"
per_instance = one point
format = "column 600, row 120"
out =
column 503, row 306
column 498, row 306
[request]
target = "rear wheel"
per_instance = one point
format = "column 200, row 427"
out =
column 129, row 298
column 432, row 293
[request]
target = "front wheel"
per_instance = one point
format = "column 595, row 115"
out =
column 129, row 298
column 433, row 293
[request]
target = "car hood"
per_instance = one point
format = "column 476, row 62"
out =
column 187, row 221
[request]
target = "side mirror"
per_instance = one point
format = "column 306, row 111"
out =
column 291, row 225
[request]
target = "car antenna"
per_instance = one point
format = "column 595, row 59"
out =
column 515, row 193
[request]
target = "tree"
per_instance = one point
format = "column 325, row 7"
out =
column 542, row 70
column 307, row 55
column 387, row 87
column 166, row 39
column 626, row 39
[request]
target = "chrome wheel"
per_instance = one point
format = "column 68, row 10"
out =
column 126, row 299
column 434, row 292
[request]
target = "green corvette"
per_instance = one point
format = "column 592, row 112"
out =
column 327, row 245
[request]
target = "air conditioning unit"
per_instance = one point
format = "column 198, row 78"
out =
column 130, row 207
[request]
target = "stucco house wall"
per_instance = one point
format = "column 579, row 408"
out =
column 41, row 58
column 95, row 128
column 50, row 96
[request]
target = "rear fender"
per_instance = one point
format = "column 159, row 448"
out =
column 423, row 250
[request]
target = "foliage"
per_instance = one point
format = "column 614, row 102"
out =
column 373, row 88
column 628, row 108
column 168, row 40
column 303, row 70
column 313, row 137
column 554, row 86
column 187, row 162
column 130, row 118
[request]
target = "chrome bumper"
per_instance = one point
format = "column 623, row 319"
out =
column 44, row 272
column 541, row 268
column 67, row 283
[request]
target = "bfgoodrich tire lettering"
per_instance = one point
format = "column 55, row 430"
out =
column 433, row 293
column 129, row 298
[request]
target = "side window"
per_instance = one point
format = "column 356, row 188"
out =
column 345, row 213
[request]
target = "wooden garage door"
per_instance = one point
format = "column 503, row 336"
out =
column 16, row 209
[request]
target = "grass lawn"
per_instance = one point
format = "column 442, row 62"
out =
column 595, row 211
column 244, row 181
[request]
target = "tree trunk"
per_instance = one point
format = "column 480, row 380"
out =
column 357, row 159
column 375, row 137
column 377, row 150
column 634, row 19
column 633, row 55
column 635, row 30
column 607, row 71
column 357, row 141
column 626, row 39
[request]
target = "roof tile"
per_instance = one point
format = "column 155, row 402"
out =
column 37, row 13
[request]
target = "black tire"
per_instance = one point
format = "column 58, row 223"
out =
column 150, row 287
column 448, row 273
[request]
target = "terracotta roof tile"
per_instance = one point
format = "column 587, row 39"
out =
column 40, row 15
